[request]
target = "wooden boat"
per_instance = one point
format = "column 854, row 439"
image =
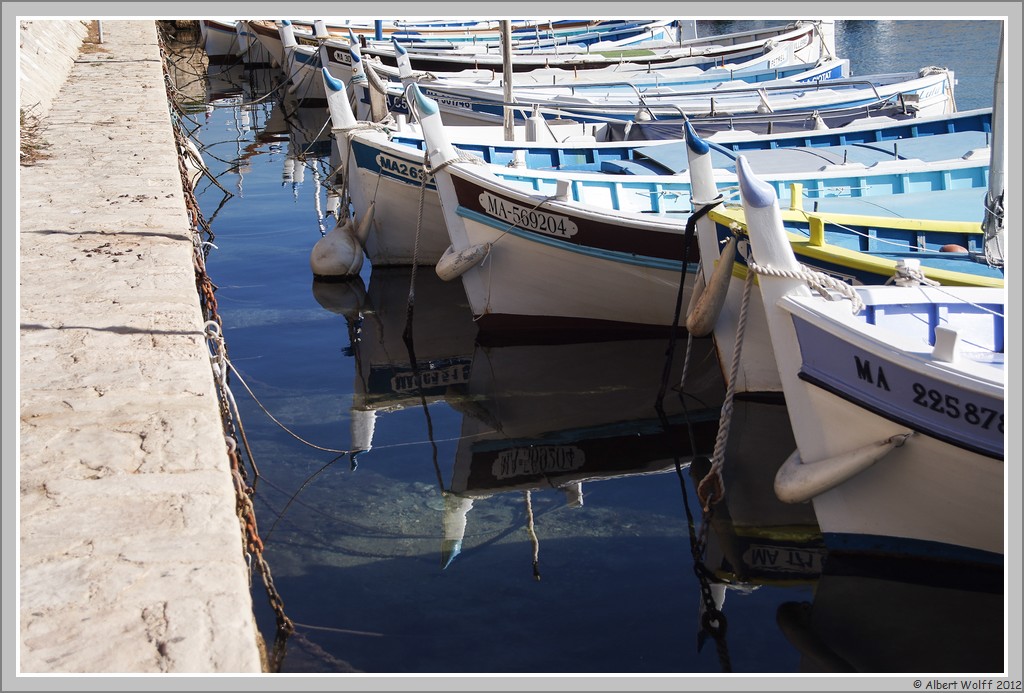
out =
column 515, row 439
column 775, row 62
column 866, row 249
column 388, row 165
column 525, row 39
column 753, row 540
column 566, row 248
column 299, row 66
column 862, row 240
column 301, row 63
column 387, row 379
column 895, row 394
column 926, row 92
column 634, row 114
column 806, row 38
column 859, row 240
column 378, row 93
column 447, row 37
column 779, row 63
column 600, row 425
column 446, row 33
column 228, row 43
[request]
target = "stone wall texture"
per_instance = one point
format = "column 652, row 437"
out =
column 48, row 49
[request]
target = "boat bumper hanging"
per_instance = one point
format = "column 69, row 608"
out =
column 797, row 481
column 454, row 264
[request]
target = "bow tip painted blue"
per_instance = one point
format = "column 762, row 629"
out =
column 693, row 140
column 425, row 105
column 332, row 83
column 756, row 193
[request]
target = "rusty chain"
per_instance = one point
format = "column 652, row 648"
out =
column 244, row 490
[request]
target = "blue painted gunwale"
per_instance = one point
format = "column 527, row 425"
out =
column 596, row 158
column 863, row 375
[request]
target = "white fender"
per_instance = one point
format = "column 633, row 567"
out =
column 338, row 253
column 454, row 264
column 797, row 481
column 362, row 424
column 345, row 298
column 700, row 321
column 375, row 80
column 573, row 494
column 453, row 523
column 699, row 285
column 194, row 164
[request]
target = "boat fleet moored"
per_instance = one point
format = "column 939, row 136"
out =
column 632, row 178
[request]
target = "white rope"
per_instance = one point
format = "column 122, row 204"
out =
column 221, row 365
column 383, row 126
column 994, row 241
column 460, row 157
column 428, row 173
column 416, row 239
column 819, row 281
column 686, row 361
column 714, row 474
column 909, row 276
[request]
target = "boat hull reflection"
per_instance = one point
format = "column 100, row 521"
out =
column 899, row 615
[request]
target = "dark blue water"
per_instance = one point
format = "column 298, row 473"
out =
column 440, row 529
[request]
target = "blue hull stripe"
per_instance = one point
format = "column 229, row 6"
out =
column 908, row 547
column 373, row 160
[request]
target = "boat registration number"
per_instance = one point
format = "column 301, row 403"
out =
column 435, row 377
column 537, row 460
column 526, row 218
column 402, row 169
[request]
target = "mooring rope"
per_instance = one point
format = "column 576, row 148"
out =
column 711, row 488
column 688, row 236
column 818, row 281
column 532, row 532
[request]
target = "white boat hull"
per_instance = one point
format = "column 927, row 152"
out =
column 525, row 282
column 888, row 508
column 397, row 215
column 909, row 381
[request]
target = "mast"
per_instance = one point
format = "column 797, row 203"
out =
column 992, row 224
column 506, row 77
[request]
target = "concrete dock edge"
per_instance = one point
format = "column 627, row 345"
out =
column 131, row 552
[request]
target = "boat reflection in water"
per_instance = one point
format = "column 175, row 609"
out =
column 555, row 415
column 750, row 540
column 387, row 379
column 892, row 615
column 544, row 430
column 564, row 415
column 881, row 615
